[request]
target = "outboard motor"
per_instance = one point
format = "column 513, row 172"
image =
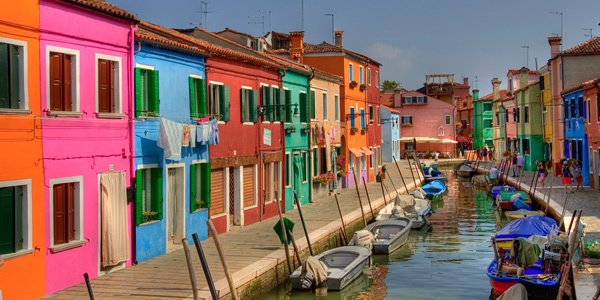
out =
column 363, row 238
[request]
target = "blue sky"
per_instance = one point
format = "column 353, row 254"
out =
column 411, row 38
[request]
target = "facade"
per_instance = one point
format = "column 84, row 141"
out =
column 374, row 112
column 326, row 131
column 22, row 215
column 590, row 94
column 483, row 120
column 530, row 130
column 85, row 138
column 464, row 115
column 547, row 121
column 390, row 133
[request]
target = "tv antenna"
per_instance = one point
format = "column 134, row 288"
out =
column 262, row 21
column 203, row 15
column 269, row 16
column 588, row 35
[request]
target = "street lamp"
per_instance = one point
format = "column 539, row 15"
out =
column 527, row 55
column 561, row 24
column 332, row 30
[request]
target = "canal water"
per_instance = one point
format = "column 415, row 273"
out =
column 447, row 261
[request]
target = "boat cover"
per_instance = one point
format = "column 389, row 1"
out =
column 434, row 186
column 526, row 227
column 515, row 292
column 316, row 268
column 524, row 252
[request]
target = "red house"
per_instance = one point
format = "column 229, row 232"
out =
column 374, row 109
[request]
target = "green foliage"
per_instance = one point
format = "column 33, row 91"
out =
column 390, row 84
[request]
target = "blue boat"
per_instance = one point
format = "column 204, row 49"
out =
column 501, row 188
column 535, row 281
column 524, row 227
column 434, row 190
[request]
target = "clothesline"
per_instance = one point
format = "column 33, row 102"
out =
column 175, row 135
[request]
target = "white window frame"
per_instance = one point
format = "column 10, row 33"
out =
column 588, row 112
column 79, row 216
column 361, row 76
column 350, row 72
column 27, row 218
column 288, row 169
column 118, row 82
column 446, row 117
column 378, row 115
column 23, row 77
column 408, row 100
column 217, row 94
column 325, row 104
column 402, row 119
column 371, row 121
column 337, row 107
column 246, row 92
column 377, row 79
column 371, row 160
column 369, row 76
column 307, row 165
column 75, row 81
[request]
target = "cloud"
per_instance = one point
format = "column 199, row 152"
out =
column 396, row 61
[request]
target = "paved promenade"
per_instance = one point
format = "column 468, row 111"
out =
column 587, row 278
column 250, row 251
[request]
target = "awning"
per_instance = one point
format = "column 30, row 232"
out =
column 449, row 141
column 420, row 139
column 464, row 139
column 356, row 152
column 366, row 151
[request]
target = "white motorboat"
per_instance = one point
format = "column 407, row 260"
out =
column 407, row 206
column 390, row 234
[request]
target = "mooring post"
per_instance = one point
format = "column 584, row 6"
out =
column 401, row 177
column 88, row 285
column 303, row 223
column 359, row 200
column 286, row 246
column 213, row 232
column 211, row 284
column 368, row 198
column 341, row 218
column 188, row 260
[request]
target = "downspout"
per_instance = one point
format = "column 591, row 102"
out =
column 132, row 136
column 310, row 190
column 284, row 165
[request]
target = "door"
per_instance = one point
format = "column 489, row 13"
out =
column 175, row 207
column 231, row 195
column 266, row 184
column 596, row 169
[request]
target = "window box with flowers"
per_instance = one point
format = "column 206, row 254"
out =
column 353, row 84
column 149, row 216
column 306, row 129
column 290, row 129
column 406, row 125
column 354, row 129
column 364, row 129
column 325, row 178
column 363, row 87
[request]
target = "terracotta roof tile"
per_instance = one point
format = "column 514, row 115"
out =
column 518, row 71
column 591, row 46
column 291, row 64
column 162, row 37
column 527, row 86
column 491, row 96
column 391, row 109
column 103, row 6
column 583, row 85
column 327, row 74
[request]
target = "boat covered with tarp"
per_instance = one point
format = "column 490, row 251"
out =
column 524, row 227
column 434, row 190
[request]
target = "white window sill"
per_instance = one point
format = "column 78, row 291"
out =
column 266, row 122
column 221, row 122
column 276, row 122
column 144, row 118
column 9, row 111
column 67, row 246
column 148, row 223
column 199, row 210
column 251, row 206
column 247, row 123
column 19, row 253
column 110, row 115
column 65, row 113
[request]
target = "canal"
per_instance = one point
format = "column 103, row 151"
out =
column 446, row 261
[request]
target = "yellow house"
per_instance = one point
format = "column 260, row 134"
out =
column 546, row 94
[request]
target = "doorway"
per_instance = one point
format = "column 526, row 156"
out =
column 175, row 207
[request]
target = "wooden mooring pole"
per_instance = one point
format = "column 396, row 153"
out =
column 362, row 211
column 368, row 198
column 286, row 246
column 188, row 260
column 401, row 177
column 211, row 284
column 303, row 224
column 341, row 218
column 213, row 232
column 411, row 171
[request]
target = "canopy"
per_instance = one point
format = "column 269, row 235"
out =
column 356, row 152
column 449, row 141
column 420, row 139
column 366, row 151
column 526, row 227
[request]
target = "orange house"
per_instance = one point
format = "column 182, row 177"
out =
column 21, row 166
column 354, row 117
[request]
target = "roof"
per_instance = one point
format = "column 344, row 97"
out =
column 591, row 46
column 518, row 71
column 491, row 96
column 104, row 7
column 167, row 37
column 227, row 29
column 582, row 86
column 391, row 109
column 326, row 47
column 326, row 75
column 279, row 34
column 527, row 86
column 291, row 65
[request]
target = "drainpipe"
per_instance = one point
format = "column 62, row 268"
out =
column 284, row 171
column 312, row 75
column 132, row 135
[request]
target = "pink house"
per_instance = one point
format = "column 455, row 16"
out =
column 86, row 70
column 427, row 121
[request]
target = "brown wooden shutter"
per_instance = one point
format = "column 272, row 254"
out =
column 248, row 185
column 217, row 187
column 103, row 86
column 266, row 182
column 56, row 83
column 70, row 199
column 67, row 95
column 59, row 211
column 111, row 90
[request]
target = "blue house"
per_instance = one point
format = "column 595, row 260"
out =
column 172, row 194
column 575, row 145
column 390, row 133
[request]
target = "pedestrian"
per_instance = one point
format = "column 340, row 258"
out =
column 494, row 175
column 542, row 172
column 520, row 163
column 566, row 177
column 577, row 174
column 514, row 165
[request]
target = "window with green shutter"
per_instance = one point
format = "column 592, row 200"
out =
column 303, row 108
column 279, row 99
column 312, row 105
column 199, row 187
column 266, row 94
column 245, row 105
column 11, row 219
column 149, row 195
column 147, row 102
column 219, row 101
column 10, row 77
column 197, row 98
column 288, row 109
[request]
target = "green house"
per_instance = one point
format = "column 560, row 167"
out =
column 530, row 130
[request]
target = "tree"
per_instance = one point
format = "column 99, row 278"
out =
column 390, row 85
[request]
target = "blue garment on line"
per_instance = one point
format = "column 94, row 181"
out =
column 214, row 132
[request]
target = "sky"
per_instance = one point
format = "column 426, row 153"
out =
column 477, row 39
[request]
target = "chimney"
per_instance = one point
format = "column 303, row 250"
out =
column 496, row 83
column 475, row 95
column 466, row 81
column 296, row 45
column 555, row 42
column 523, row 77
column 339, row 38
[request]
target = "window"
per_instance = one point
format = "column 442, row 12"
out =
column 487, row 123
column 272, row 181
column 108, row 88
column 279, row 112
column 573, row 109
column 544, row 112
column 15, row 204
column 306, row 159
column 197, row 97
column 447, row 120
column 325, row 106
column 588, row 114
column 146, row 92
column 304, row 109
column 350, row 72
column 407, row 100
column 66, row 211
column 13, row 79
column 362, row 118
column 288, row 169
column 378, row 116
column 316, row 162
column 364, row 163
column 377, row 78
column 249, row 189
column 337, row 107
column 350, row 161
column 312, row 105
column 371, row 114
column 597, row 108
column 369, row 76
column 440, row 131
column 63, row 80
column 219, row 100
column 360, row 75
column 487, row 107
column 420, row 99
column 406, row 119
column 371, row 158
column 248, row 105
column 526, row 114
column 149, row 195
column 276, row 186
column 352, row 117
column 581, row 107
column 525, row 146
column 199, row 186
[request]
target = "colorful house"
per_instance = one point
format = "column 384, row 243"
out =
column 86, row 138
column 483, row 120
column 172, row 185
column 22, row 215
column 390, row 133
column 246, row 165
column 576, row 145
column 373, row 95
column 546, row 95
column 326, row 132
column 592, row 128
column 504, row 129
column 530, row 130
column 464, row 115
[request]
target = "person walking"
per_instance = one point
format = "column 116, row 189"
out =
column 514, row 165
column 494, row 175
column 566, row 177
column 520, row 163
column 577, row 174
column 542, row 172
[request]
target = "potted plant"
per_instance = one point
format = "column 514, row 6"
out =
column 406, row 125
column 363, row 87
column 354, row 129
column 364, row 129
column 148, row 216
column 306, row 129
column 290, row 129
column 353, row 83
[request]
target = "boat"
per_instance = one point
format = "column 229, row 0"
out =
column 389, row 234
column 343, row 265
column 535, row 281
column 429, row 178
column 501, row 188
column 522, row 213
column 503, row 199
column 465, row 171
column 408, row 206
column 434, row 190
column 524, row 227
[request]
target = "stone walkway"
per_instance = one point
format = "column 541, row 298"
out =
column 250, row 251
column 587, row 278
